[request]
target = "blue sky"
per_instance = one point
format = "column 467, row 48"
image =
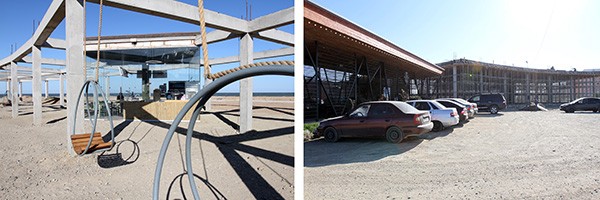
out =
column 563, row 34
column 17, row 19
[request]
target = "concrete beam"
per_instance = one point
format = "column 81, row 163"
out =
column 273, row 20
column 46, row 61
column 246, row 57
column 181, row 12
column 54, row 43
column 36, row 85
column 216, row 36
column 75, row 60
column 276, row 36
column 14, row 82
column 54, row 15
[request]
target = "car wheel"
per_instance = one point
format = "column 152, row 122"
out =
column 394, row 135
column 331, row 135
column 569, row 111
column 494, row 109
column 437, row 126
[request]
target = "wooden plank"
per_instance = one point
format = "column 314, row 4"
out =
column 93, row 147
column 84, row 135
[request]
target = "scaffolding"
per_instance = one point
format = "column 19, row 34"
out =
column 464, row 78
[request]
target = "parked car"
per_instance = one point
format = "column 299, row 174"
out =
column 393, row 119
column 440, row 115
column 460, row 108
column 582, row 104
column 471, row 107
column 489, row 102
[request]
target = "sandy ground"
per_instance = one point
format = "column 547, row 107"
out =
column 514, row 155
column 35, row 163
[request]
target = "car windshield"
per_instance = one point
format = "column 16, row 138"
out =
column 462, row 101
column 405, row 108
column 576, row 100
column 438, row 105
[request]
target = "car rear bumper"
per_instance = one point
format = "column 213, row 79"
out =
column 450, row 121
column 418, row 130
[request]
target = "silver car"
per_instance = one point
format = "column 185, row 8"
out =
column 440, row 115
column 471, row 107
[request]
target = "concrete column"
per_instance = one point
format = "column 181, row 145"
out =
column 454, row 82
column 75, row 65
column 481, row 81
column 14, row 84
column 20, row 89
column 107, row 87
column 593, row 86
column 36, row 85
column 505, row 86
column 208, row 105
column 572, row 89
column 246, row 57
column 61, row 89
column 527, row 89
column 549, row 88
column 46, row 95
column 8, row 93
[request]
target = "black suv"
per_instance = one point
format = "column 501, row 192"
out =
column 582, row 104
column 489, row 102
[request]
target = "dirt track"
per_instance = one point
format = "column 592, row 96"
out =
column 35, row 164
column 514, row 155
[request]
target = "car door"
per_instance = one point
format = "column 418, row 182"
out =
column 353, row 124
column 379, row 118
column 477, row 100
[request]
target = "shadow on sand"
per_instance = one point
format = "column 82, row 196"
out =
column 318, row 153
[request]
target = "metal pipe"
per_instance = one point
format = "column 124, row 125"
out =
column 202, row 97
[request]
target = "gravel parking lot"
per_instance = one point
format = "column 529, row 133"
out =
column 510, row 155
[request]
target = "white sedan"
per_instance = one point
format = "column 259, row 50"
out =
column 440, row 115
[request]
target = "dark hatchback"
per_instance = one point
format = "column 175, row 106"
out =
column 394, row 120
column 460, row 108
column 489, row 102
column 582, row 104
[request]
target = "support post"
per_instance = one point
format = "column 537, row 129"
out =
column 527, row 89
column 573, row 96
column 208, row 105
column 14, row 84
column 36, row 85
column 107, row 87
column 549, row 89
column 61, row 92
column 481, row 81
column 593, row 86
column 246, row 57
column 20, row 88
column 505, row 86
column 75, row 65
column 46, row 89
column 454, row 82
column 8, row 93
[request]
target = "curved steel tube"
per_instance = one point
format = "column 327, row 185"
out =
column 96, row 105
column 202, row 97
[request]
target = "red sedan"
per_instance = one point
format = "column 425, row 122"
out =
column 393, row 119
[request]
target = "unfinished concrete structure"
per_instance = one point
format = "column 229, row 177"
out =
column 346, row 65
column 464, row 78
column 72, row 12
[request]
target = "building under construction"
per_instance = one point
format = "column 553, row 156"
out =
column 464, row 78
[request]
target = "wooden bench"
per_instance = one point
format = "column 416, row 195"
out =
column 80, row 141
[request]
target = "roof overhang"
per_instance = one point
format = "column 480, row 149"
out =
column 323, row 27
